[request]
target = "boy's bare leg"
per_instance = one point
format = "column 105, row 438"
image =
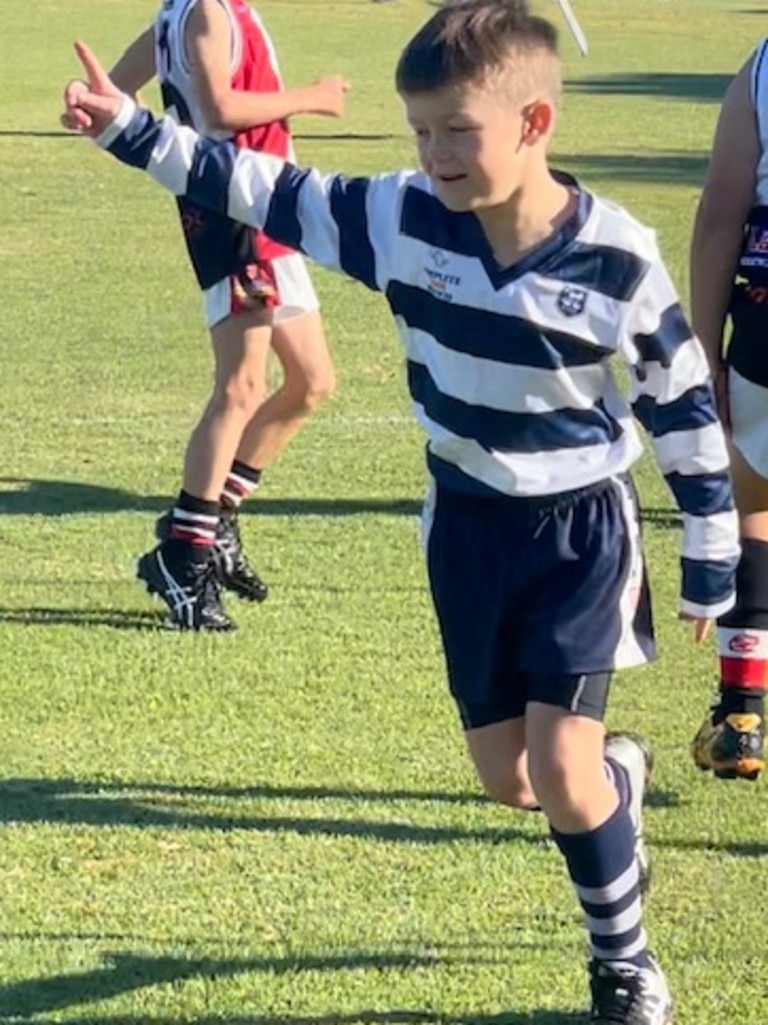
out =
column 240, row 347
column 591, row 793
column 500, row 758
column 300, row 346
column 308, row 379
column 181, row 569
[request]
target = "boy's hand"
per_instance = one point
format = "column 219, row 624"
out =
column 701, row 626
column 328, row 96
column 91, row 106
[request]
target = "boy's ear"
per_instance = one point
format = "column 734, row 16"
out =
column 538, row 119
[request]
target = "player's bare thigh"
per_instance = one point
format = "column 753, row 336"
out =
column 300, row 346
column 298, row 336
column 241, row 346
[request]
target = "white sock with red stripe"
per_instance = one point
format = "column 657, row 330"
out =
column 742, row 636
column 193, row 525
column 242, row 481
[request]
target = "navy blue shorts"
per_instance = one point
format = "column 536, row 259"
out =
column 537, row 599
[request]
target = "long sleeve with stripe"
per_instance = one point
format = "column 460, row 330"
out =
column 672, row 396
column 509, row 369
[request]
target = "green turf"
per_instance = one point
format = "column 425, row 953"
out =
column 282, row 826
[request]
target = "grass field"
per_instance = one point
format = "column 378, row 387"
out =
column 282, row 826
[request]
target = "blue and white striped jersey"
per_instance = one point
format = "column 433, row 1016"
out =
column 509, row 369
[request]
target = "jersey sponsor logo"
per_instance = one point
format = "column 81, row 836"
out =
column 440, row 283
column 438, row 258
column 743, row 643
column 572, row 300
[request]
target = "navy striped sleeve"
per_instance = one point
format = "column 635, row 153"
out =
column 324, row 216
column 134, row 144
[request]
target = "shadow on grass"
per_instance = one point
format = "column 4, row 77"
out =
column 656, row 797
column 672, row 167
column 145, row 805
column 35, row 133
column 127, row 973
column 349, row 136
column 118, row 619
column 663, row 85
column 365, row 1017
column 667, row 518
column 733, row 849
column 65, row 498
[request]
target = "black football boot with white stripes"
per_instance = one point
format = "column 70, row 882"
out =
column 189, row 589
column 233, row 570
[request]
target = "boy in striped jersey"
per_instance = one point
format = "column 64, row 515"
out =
column 512, row 288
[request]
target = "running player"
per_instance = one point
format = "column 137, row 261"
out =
column 512, row 287
column 218, row 72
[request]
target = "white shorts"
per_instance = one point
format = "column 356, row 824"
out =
column 295, row 293
column 749, row 420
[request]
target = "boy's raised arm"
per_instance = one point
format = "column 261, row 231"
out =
column 325, row 217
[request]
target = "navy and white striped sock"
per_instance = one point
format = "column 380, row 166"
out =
column 603, row 868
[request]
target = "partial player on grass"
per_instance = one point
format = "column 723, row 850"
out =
column 513, row 288
column 729, row 285
column 218, row 73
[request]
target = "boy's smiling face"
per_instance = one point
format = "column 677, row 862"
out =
column 474, row 142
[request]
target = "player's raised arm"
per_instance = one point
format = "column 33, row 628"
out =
column 330, row 218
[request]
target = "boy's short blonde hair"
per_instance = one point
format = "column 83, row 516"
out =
column 482, row 42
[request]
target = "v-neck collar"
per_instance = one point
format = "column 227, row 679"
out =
column 540, row 255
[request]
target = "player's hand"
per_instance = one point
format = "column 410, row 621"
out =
column 701, row 626
column 91, row 105
column 328, row 95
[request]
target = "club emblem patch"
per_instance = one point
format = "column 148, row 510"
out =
column 572, row 300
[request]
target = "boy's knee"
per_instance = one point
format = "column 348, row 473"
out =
column 555, row 786
column 241, row 394
column 511, row 790
column 312, row 391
